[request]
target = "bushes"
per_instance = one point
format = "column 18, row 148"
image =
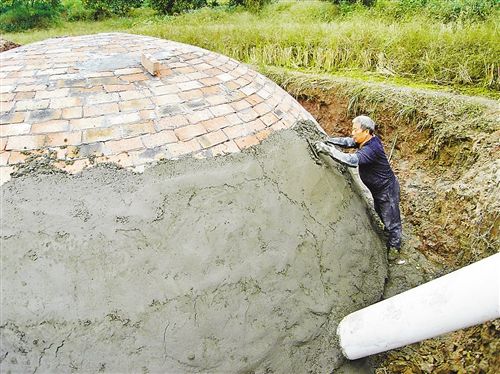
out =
column 177, row 6
column 18, row 15
column 252, row 5
column 104, row 8
column 75, row 11
column 441, row 10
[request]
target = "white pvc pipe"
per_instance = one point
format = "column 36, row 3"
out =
column 464, row 298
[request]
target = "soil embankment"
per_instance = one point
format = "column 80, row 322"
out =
column 445, row 153
column 239, row 263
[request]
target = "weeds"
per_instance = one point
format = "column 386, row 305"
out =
column 321, row 37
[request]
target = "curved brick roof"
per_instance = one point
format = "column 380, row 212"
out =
column 83, row 100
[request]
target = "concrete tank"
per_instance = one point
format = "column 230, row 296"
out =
column 218, row 261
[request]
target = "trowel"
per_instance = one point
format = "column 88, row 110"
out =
column 314, row 151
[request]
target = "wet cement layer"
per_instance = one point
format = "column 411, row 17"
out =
column 239, row 263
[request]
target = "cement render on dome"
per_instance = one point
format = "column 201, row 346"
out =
column 80, row 101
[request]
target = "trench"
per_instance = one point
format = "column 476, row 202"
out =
column 239, row 263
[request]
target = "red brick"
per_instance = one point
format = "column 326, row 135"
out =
column 256, row 125
column 4, row 158
column 64, row 138
column 191, row 85
column 128, row 71
column 124, row 145
column 136, row 105
column 221, row 110
column 216, row 123
column 87, row 123
column 137, row 129
column 170, row 123
column 100, row 109
column 165, row 89
column 167, row 99
column 79, row 91
column 65, row 102
column 30, row 87
column 199, row 116
column 19, row 143
column 225, row 148
column 212, row 138
column 182, row 148
column 188, row 132
column 5, row 172
column 159, row 139
column 32, row 104
column 102, row 98
column 241, row 105
column 269, row 118
column 211, row 90
column 247, row 141
column 262, row 109
column 118, row 87
column 236, row 131
column 151, row 64
column 254, row 99
column 123, row 118
column 247, row 115
column 76, row 166
column 28, row 95
column 17, row 157
column 61, row 92
column 135, row 77
column 15, row 117
column 7, row 96
column 101, row 134
column 71, row 113
column 210, row 81
column 264, row 134
column 6, row 106
column 191, row 95
column 147, row 114
column 50, row 126
column 217, row 99
column 134, row 95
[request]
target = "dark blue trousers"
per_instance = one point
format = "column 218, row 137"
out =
column 387, row 207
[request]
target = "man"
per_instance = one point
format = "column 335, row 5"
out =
column 375, row 172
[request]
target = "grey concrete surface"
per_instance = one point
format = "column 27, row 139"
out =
column 240, row 263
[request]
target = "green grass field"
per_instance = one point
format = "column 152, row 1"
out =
column 318, row 37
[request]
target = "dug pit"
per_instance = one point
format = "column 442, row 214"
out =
column 238, row 263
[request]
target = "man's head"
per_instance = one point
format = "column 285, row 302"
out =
column 362, row 129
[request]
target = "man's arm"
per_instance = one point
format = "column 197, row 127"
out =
column 351, row 160
column 342, row 142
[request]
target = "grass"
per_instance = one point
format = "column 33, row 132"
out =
column 319, row 37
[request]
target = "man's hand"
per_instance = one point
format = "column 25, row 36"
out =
column 322, row 147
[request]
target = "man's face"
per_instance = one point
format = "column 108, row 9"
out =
column 358, row 134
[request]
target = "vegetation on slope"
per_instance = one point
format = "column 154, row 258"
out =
column 398, row 39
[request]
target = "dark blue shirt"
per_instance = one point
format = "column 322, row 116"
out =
column 374, row 168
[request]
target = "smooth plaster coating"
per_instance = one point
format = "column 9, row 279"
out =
column 240, row 263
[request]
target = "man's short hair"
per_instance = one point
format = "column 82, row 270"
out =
column 365, row 123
